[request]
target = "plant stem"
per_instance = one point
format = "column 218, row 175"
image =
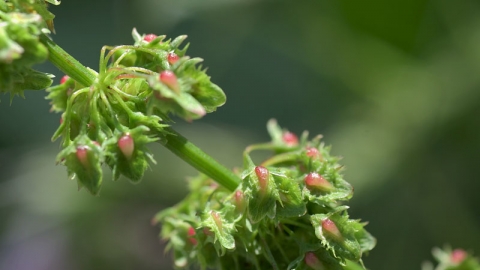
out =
column 194, row 156
column 66, row 63
column 175, row 142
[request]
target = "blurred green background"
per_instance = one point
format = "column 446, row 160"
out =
column 394, row 86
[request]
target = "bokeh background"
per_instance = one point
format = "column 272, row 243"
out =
column 394, row 86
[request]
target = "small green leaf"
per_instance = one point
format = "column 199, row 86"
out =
column 291, row 202
column 53, row 2
column 223, row 228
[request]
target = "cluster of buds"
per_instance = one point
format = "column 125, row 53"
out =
column 448, row 259
column 137, row 88
column 287, row 213
column 22, row 24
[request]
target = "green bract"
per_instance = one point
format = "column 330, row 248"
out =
column 275, row 219
column 136, row 89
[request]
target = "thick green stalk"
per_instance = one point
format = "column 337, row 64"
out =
column 175, row 142
column 194, row 156
column 66, row 63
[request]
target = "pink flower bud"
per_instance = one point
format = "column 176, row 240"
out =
column 126, row 145
column 290, row 139
column 172, row 58
column 191, row 234
column 312, row 152
column 82, row 155
column 262, row 174
column 331, row 229
column 149, row 37
column 96, row 143
column 64, row 79
column 313, row 262
column 458, row 255
column 239, row 201
column 206, row 231
column 217, row 218
column 316, row 181
column 169, row 78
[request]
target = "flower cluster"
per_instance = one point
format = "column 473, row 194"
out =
column 137, row 87
column 286, row 214
column 22, row 22
column 449, row 259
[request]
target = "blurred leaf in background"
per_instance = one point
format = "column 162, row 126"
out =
column 393, row 86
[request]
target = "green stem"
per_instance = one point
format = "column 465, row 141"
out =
column 194, row 156
column 66, row 63
column 175, row 142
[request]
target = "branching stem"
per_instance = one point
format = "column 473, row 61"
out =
column 175, row 142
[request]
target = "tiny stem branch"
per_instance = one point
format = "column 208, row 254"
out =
column 175, row 142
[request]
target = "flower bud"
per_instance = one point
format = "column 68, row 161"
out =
column 169, row 78
column 316, row 181
column 313, row 262
column 217, row 218
column 312, row 152
column 331, row 229
column 64, row 79
column 149, row 37
column 458, row 255
column 239, row 201
column 82, row 155
column 126, row 145
column 172, row 58
column 262, row 174
column 290, row 139
column 191, row 234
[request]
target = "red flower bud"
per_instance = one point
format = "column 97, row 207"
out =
column 312, row 152
column 149, row 37
column 82, row 155
column 331, row 229
column 290, row 139
column 316, row 181
column 262, row 174
column 64, row 79
column 172, row 58
column 313, row 262
column 239, row 201
column 217, row 218
column 191, row 234
column 126, row 145
column 169, row 78
column 458, row 255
